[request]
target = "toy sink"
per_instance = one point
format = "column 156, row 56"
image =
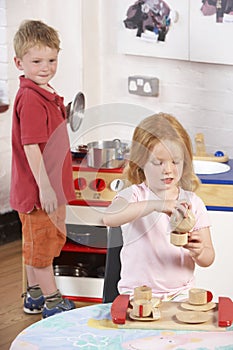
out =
column 202, row 167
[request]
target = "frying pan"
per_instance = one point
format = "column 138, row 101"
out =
column 75, row 111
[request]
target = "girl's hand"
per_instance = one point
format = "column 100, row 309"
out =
column 200, row 247
column 176, row 208
column 195, row 244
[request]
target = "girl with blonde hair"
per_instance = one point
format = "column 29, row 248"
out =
column 162, row 182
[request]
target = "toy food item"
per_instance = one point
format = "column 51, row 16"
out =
column 180, row 226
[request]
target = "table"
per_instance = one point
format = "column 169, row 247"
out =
column 91, row 328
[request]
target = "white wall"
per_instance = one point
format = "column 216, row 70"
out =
column 5, row 120
column 66, row 18
column 198, row 94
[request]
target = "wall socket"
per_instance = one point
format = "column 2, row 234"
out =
column 143, row 86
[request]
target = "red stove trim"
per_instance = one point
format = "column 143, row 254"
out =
column 83, row 167
column 84, row 299
column 75, row 247
column 90, row 203
column 101, row 170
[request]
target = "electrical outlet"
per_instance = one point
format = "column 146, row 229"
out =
column 143, row 86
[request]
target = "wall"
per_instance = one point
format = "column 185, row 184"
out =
column 68, row 81
column 5, row 121
column 198, row 94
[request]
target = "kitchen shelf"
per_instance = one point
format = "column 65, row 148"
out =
column 82, row 289
column 76, row 289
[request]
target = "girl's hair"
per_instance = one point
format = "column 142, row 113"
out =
column 151, row 131
column 34, row 33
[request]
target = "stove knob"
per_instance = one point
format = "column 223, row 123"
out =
column 98, row 185
column 117, row 185
column 80, row 183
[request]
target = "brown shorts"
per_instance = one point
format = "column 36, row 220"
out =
column 43, row 236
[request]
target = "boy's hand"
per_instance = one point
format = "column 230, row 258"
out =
column 48, row 200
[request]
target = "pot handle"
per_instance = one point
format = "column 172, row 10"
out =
column 118, row 152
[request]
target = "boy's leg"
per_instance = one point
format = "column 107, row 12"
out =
column 43, row 276
column 44, row 238
column 33, row 297
column 42, row 294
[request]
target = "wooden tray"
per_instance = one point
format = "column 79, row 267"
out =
column 169, row 321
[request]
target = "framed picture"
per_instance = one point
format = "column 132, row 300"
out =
column 211, row 31
column 158, row 28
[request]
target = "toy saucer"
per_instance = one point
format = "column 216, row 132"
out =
column 205, row 307
column 154, row 316
column 193, row 316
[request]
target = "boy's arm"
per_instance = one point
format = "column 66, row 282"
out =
column 48, row 197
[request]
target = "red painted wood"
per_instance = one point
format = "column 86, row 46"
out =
column 141, row 310
column 90, row 203
column 209, row 296
column 75, row 247
column 119, row 308
column 225, row 312
column 84, row 299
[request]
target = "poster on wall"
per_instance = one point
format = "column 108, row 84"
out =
column 157, row 28
column 211, row 28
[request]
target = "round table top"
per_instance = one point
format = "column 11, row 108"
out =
column 91, row 328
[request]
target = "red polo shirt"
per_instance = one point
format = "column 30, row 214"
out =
column 39, row 117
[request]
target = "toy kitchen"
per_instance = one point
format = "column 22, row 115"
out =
column 98, row 175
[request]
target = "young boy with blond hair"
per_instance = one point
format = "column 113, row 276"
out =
column 41, row 182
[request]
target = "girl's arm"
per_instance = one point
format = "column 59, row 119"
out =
column 200, row 247
column 48, row 197
column 121, row 212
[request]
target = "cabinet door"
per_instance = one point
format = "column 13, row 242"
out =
column 218, row 277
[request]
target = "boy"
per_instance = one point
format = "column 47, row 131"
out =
column 41, row 182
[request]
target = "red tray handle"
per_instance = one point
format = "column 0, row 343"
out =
column 119, row 308
column 225, row 312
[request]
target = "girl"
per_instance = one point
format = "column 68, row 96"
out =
column 161, row 172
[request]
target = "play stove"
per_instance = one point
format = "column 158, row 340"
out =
column 79, row 270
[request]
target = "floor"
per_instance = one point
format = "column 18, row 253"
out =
column 12, row 318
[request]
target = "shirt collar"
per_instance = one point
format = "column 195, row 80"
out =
column 27, row 83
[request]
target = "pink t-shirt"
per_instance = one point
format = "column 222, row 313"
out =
column 148, row 257
column 39, row 117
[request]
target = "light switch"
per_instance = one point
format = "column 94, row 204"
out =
column 143, row 85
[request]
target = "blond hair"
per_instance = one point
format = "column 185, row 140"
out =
column 34, row 33
column 151, row 131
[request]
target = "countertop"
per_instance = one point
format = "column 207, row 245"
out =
column 223, row 178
